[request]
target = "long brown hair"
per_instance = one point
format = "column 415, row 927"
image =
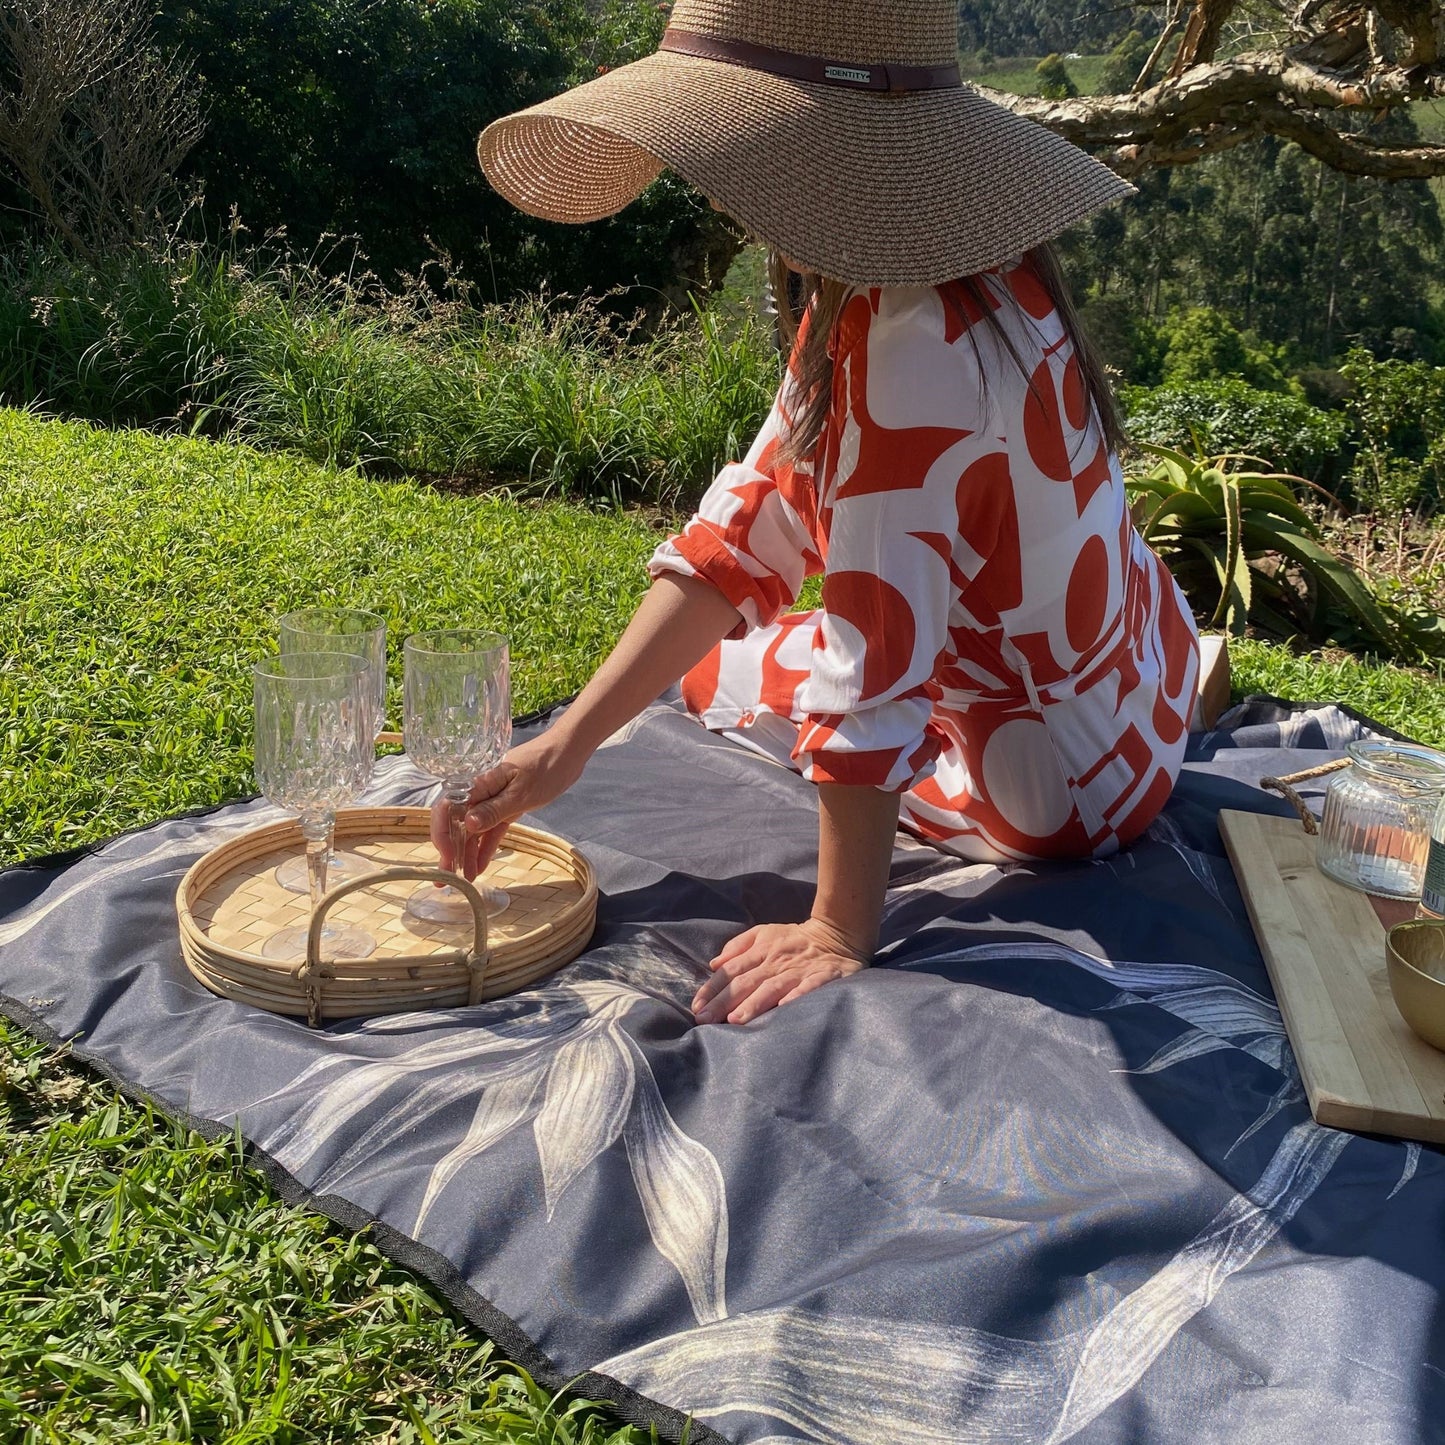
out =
column 821, row 300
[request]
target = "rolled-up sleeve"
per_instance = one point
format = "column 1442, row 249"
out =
column 748, row 539
column 903, row 401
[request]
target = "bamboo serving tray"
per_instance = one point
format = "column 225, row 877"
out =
column 229, row 903
column 1324, row 945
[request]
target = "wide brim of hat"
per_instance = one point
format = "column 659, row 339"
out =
column 910, row 189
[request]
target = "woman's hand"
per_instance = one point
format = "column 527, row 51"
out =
column 528, row 778
column 774, row 964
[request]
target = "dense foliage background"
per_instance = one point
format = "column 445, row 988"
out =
column 1038, row 27
column 344, row 283
column 359, row 118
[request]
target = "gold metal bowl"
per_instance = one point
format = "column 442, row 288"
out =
column 1415, row 958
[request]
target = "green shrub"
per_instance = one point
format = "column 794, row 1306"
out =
column 1123, row 64
column 1234, row 417
column 1127, row 339
column 1398, row 411
column 361, row 117
column 130, row 341
column 561, row 398
column 1055, row 82
column 1202, row 344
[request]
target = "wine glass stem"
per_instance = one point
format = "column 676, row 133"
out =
column 317, row 830
column 457, row 793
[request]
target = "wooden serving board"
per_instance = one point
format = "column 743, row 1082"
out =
column 1324, row 946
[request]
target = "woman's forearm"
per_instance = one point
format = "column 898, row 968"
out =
column 679, row 621
column 856, row 826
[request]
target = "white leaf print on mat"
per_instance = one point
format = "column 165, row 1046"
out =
column 849, row 1380
column 196, row 842
column 589, row 1091
column 504, row 1105
column 592, row 1084
column 326, row 1108
column 1131, row 1336
column 682, row 1193
column 1412, row 1163
column 420, row 1101
column 1222, row 1011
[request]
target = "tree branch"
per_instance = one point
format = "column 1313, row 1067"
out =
column 1344, row 58
column 1201, row 35
column 1166, row 34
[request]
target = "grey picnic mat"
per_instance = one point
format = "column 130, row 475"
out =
column 1045, row 1174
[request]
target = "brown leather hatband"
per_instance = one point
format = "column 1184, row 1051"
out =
column 810, row 67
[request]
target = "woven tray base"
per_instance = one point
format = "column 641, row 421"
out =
column 229, row 903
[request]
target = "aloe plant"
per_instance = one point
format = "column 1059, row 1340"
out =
column 1232, row 539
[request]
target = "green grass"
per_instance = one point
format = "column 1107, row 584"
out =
column 152, row 1287
column 1018, row 73
column 1410, row 700
column 561, row 396
column 141, row 576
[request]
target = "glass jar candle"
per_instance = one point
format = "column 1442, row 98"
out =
column 1375, row 833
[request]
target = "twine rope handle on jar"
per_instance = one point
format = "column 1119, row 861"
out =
column 1282, row 786
column 313, row 971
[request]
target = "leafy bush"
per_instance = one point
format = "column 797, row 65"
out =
column 564, row 399
column 131, row 340
column 1233, row 417
column 1124, row 62
column 335, row 117
column 1246, row 552
column 1055, row 82
column 1202, row 344
column 1127, row 339
column 1398, row 411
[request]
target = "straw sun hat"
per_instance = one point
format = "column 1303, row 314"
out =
column 837, row 131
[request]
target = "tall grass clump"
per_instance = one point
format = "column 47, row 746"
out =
column 553, row 394
column 135, row 339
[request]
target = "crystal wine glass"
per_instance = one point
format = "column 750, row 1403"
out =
column 457, row 722
column 315, row 749
column 336, row 629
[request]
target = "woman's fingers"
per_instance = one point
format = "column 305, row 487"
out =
column 728, row 966
column 496, row 799
column 766, row 993
column 768, row 966
column 727, row 994
column 441, row 832
column 735, row 946
column 484, row 848
column 493, row 781
column 528, row 778
column 807, row 984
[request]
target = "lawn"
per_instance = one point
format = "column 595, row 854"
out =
column 140, row 576
column 1019, row 74
column 152, row 1286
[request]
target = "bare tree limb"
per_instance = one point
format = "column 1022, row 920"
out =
column 1202, row 34
column 1166, row 34
column 93, row 122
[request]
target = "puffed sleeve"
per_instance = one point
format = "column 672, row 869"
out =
column 748, row 538
column 906, row 414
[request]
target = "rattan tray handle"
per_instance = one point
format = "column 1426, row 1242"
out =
column 313, row 972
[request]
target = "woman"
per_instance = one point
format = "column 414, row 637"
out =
column 999, row 664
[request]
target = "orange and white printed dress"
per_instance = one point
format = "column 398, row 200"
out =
column 996, row 641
